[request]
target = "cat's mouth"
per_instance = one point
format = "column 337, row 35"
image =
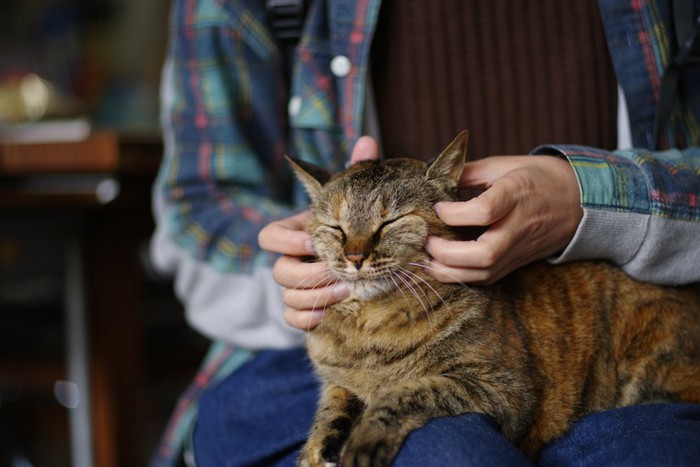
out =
column 368, row 289
column 370, row 283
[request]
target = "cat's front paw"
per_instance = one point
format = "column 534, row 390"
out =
column 304, row 463
column 365, row 448
column 307, row 461
column 310, row 457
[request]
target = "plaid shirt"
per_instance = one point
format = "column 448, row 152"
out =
column 230, row 119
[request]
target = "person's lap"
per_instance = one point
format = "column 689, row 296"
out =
column 260, row 415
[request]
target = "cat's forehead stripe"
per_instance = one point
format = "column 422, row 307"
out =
column 363, row 198
column 341, row 208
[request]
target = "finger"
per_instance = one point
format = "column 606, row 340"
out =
column 486, row 209
column 366, row 148
column 479, row 254
column 287, row 236
column 484, row 172
column 315, row 299
column 474, row 276
column 294, row 272
column 303, row 320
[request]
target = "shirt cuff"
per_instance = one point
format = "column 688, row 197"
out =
column 601, row 234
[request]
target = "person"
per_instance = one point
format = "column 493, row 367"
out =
column 230, row 220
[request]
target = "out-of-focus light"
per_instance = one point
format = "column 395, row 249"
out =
column 36, row 95
column 107, row 190
column 67, row 394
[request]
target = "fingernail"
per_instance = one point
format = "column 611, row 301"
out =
column 310, row 247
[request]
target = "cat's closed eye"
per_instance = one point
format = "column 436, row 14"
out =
column 378, row 234
column 339, row 229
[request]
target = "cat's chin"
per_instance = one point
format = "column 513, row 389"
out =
column 366, row 290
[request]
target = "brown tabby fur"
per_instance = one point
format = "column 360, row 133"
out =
column 538, row 350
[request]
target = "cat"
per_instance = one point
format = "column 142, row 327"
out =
column 536, row 351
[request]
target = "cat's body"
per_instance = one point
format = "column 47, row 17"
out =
column 536, row 351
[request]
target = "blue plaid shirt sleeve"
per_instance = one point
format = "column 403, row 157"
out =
column 664, row 184
column 223, row 114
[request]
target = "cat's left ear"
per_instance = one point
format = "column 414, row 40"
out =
column 449, row 164
column 311, row 176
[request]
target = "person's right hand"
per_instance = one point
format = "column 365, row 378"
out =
column 308, row 286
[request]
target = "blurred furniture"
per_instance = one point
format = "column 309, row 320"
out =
column 89, row 199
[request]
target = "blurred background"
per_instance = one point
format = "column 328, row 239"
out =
column 102, row 57
column 94, row 350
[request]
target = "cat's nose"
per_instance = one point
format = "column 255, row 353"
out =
column 356, row 259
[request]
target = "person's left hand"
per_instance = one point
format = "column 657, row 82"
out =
column 531, row 206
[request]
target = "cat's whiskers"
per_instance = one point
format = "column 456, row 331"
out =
column 405, row 279
column 432, row 268
column 315, row 280
column 323, row 274
column 437, row 294
column 317, row 277
column 399, row 288
column 325, row 305
column 303, row 263
column 410, row 288
column 320, row 277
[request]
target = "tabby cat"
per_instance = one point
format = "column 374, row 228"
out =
column 537, row 350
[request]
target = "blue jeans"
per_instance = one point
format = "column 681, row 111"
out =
column 260, row 415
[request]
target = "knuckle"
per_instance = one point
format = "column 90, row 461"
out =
column 481, row 277
column 445, row 251
column 289, row 298
column 439, row 255
column 267, row 235
column 279, row 269
column 489, row 256
column 277, row 275
column 449, row 278
column 262, row 237
column 293, row 318
column 487, row 211
column 487, row 278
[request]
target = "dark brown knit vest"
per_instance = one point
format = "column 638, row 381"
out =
column 517, row 73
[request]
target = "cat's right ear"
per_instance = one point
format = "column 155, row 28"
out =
column 449, row 164
column 311, row 176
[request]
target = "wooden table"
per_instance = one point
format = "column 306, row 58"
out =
column 98, row 192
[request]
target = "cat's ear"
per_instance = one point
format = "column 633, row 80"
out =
column 449, row 164
column 311, row 176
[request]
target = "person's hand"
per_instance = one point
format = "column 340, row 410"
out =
column 531, row 206
column 308, row 286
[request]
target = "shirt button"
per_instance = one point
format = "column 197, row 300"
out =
column 294, row 106
column 341, row 66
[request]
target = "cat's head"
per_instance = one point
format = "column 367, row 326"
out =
column 372, row 220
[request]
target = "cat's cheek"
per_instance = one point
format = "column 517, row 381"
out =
column 407, row 248
column 326, row 247
column 413, row 237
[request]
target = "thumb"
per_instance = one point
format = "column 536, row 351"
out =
column 366, row 149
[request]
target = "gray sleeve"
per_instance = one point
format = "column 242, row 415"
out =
column 649, row 248
column 240, row 309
